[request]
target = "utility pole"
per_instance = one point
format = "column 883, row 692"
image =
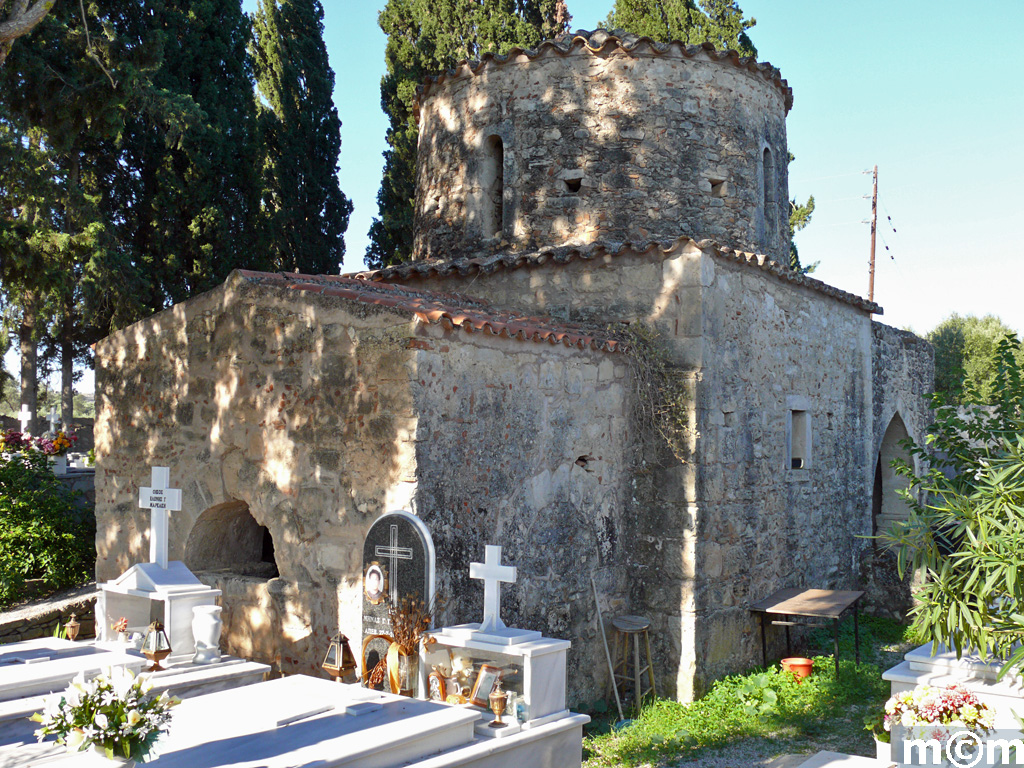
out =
column 874, row 227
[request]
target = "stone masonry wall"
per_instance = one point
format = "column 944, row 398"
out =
column 613, row 145
column 730, row 524
column 658, row 566
column 769, row 348
column 320, row 413
column 903, row 367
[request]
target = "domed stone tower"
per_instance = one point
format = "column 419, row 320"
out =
column 601, row 137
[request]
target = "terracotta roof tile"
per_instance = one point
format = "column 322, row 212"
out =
column 446, row 309
column 487, row 265
column 599, row 41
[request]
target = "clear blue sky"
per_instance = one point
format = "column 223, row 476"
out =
column 931, row 92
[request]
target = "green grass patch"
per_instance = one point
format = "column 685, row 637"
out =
column 824, row 711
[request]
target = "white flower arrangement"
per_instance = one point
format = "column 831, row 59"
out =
column 114, row 713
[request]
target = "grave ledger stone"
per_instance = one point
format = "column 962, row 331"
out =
column 398, row 563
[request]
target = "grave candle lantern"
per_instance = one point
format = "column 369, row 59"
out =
column 339, row 662
column 156, row 647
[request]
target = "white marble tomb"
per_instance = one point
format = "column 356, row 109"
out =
column 304, row 721
column 33, row 667
column 158, row 590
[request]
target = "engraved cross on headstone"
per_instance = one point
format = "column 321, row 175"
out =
column 160, row 500
column 393, row 553
column 493, row 573
column 25, row 417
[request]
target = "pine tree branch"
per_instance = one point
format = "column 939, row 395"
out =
column 20, row 21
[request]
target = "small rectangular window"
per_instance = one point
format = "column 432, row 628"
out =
column 798, row 434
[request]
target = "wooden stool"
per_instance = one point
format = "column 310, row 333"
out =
column 626, row 627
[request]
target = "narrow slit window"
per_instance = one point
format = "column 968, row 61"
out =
column 768, row 194
column 494, row 187
column 799, row 434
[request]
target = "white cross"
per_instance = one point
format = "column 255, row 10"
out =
column 393, row 553
column 54, row 418
column 24, row 417
column 493, row 573
column 159, row 500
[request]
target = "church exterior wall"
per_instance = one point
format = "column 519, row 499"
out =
column 609, row 145
column 771, row 348
column 320, row 413
column 733, row 523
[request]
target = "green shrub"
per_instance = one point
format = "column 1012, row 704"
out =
column 965, row 533
column 43, row 535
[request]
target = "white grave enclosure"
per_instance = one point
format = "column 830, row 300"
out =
column 532, row 667
column 158, row 590
column 920, row 667
column 302, row 721
column 34, row 667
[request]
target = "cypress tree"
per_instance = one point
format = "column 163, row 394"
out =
column 692, row 22
column 190, row 199
column 305, row 210
column 426, row 37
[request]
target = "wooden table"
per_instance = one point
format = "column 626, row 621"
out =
column 809, row 603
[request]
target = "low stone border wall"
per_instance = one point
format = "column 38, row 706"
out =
column 40, row 617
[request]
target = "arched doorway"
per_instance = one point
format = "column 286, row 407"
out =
column 227, row 538
column 888, row 505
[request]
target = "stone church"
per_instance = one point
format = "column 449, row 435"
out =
column 491, row 385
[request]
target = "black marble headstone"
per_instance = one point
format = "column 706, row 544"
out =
column 398, row 562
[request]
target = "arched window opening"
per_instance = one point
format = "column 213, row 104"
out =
column 493, row 185
column 227, row 538
column 888, row 506
column 768, row 195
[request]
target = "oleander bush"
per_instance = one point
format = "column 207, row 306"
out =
column 965, row 532
column 44, row 532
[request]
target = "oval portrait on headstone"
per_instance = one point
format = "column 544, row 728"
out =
column 375, row 583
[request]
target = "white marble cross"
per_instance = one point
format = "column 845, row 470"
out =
column 393, row 553
column 24, row 417
column 492, row 573
column 159, row 500
column 53, row 418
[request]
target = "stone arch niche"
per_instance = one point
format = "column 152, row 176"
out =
column 227, row 538
column 887, row 505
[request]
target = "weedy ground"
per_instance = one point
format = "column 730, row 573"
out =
column 747, row 720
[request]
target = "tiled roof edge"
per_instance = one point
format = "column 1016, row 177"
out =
column 596, row 42
column 445, row 309
column 565, row 254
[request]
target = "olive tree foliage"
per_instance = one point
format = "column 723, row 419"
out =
column 966, row 357
column 17, row 18
column 965, row 531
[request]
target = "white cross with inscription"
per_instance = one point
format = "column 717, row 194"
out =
column 24, row 417
column 159, row 500
column 393, row 553
column 53, row 418
column 493, row 573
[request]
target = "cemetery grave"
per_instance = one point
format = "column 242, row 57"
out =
column 232, row 715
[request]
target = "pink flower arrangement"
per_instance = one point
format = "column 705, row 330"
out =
column 927, row 705
column 58, row 445
column 12, row 441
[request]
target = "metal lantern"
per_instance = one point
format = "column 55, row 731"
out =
column 156, row 647
column 72, row 627
column 339, row 662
